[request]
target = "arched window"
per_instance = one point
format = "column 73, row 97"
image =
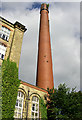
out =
column 4, row 33
column 2, row 51
column 19, row 105
column 35, row 107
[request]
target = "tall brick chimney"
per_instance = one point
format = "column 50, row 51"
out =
column 44, row 67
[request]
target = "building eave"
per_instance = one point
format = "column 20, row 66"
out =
column 33, row 86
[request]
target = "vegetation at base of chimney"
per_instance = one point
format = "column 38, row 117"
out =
column 64, row 104
column 10, row 84
column 43, row 109
column 47, row 5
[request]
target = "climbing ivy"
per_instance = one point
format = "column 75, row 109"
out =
column 10, row 84
column 43, row 109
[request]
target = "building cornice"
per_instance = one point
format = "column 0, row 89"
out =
column 35, row 87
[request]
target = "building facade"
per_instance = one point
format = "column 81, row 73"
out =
column 27, row 103
column 11, row 36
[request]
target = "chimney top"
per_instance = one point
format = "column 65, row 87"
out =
column 44, row 6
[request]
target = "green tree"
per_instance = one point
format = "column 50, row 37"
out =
column 10, row 84
column 64, row 104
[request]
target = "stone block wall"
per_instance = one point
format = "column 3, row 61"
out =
column 33, row 91
column 14, row 42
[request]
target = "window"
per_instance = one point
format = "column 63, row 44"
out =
column 2, row 51
column 4, row 33
column 19, row 105
column 35, row 108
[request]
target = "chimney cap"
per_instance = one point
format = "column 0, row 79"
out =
column 44, row 6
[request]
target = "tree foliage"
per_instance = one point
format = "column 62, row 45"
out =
column 64, row 104
column 10, row 84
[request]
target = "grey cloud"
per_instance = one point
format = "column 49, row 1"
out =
column 65, row 44
column 16, row 5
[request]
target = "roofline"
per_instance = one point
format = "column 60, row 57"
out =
column 13, row 25
column 6, row 21
column 33, row 86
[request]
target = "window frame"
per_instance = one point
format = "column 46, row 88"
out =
column 18, row 107
column 36, row 108
column 4, row 33
column 2, row 51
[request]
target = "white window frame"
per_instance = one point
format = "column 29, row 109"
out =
column 2, row 51
column 4, row 31
column 17, row 107
column 36, row 103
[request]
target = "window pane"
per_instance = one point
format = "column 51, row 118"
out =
column 32, row 113
column 3, row 37
column 33, row 104
column 19, row 115
column 22, row 95
column 36, row 107
column 19, row 110
column 15, row 114
column 19, row 94
column 0, row 35
column 33, row 108
column 20, row 103
column 37, row 99
column 34, row 99
column 16, row 103
column 2, row 56
column 16, row 109
column 36, row 114
column 6, row 38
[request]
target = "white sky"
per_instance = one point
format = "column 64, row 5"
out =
column 41, row 0
column 65, row 39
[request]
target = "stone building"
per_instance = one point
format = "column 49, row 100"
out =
column 11, row 36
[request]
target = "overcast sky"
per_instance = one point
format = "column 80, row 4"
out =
column 65, row 39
